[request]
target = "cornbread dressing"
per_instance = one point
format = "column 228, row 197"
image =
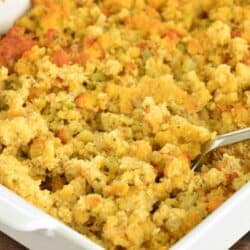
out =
column 104, row 105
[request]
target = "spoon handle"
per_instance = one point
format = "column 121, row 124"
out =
column 221, row 141
column 231, row 138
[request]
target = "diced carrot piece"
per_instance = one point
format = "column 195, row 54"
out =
column 86, row 101
column 185, row 157
column 51, row 35
column 60, row 57
column 93, row 48
column 80, row 58
column 79, row 100
column 89, row 42
column 63, row 135
column 13, row 45
column 94, row 199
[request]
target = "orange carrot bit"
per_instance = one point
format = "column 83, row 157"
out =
column 173, row 34
column 64, row 135
column 93, row 48
column 60, row 57
column 80, row 58
column 80, row 100
column 13, row 45
column 51, row 35
column 89, row 42
column 94, row 200
column 86, row 101
column 185, row 157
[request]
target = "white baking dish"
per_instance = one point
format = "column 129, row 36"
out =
column 10, row 10
column 38, row 231
column 35, row 229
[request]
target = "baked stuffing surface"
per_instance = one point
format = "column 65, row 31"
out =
column 104, row 105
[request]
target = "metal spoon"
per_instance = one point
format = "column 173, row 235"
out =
column 221, row 141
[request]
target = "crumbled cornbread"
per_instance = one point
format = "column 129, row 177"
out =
column 104, row 105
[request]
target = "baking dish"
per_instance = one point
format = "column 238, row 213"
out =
column 10, row 11
column 37, row 230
